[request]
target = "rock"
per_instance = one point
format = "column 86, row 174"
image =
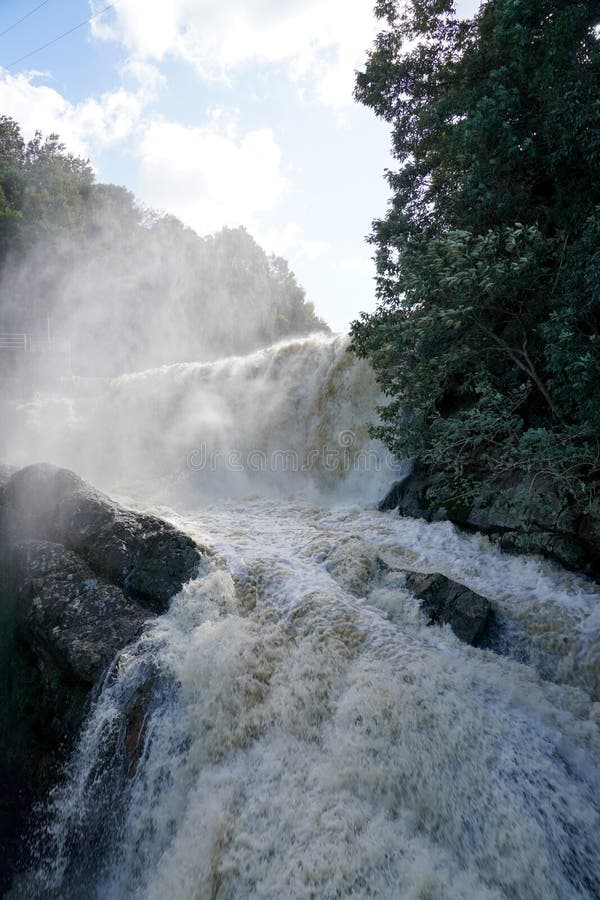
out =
column 143, row 554
column 564, row 548
column 409, row 496
column 80, row 576
column 520, row 513
column 394, row 496
column 588, row 533
column 71, row 618
column 518, row 502
column 62, row 626
column 526, row 515
column 446, row 602
column 13, row 801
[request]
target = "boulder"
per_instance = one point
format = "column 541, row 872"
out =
column 144, row 555
column 446, row 602
column 62, row 625
column 79, row 577
column 69, row 617
column 409, row 496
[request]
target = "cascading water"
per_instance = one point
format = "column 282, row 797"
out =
column 293, row 415
column 291, row 728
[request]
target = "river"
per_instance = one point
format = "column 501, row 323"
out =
column 301, row 732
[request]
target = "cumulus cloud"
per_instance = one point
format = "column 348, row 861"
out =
column 91, row 124
column 210, row 176
column 148, row 77
column 318, row 40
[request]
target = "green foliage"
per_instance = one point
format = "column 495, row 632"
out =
column 128, row 286
column 486, row 334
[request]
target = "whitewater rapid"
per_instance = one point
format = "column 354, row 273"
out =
column 292, row 728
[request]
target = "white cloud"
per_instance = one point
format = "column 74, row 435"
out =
column 90, row 125
column 147, row 76
column 319, row 40
column 292, row 238
column 210, row 176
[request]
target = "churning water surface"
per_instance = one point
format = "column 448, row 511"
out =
column 291, row 728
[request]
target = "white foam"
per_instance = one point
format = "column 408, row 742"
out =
column 310, row 744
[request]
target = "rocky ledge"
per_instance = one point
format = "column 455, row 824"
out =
column 80, row 575
column 523, row 515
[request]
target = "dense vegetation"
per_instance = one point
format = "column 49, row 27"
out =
column 486, row 336
column 127, row 286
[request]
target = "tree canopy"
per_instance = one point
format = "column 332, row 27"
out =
column 129, row 287
column 485, row 338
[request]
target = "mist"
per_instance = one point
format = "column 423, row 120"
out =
column 129, row 289
column 161, row 363
column 131, row 345
column 293, row 417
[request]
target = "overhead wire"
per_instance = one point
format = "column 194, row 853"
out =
column 60, row 36
column 22, row 19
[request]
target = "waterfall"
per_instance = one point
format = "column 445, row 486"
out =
column 291, row 727
column 292, row 416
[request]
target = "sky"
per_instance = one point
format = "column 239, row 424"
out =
column 223, row 113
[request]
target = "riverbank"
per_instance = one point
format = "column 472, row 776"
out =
column 522, row 514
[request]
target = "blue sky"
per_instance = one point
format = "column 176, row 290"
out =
column 223, row 112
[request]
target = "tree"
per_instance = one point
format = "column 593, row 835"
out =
column 131, row 287
column 12, row 153
column 293, row 313
column 485, row 336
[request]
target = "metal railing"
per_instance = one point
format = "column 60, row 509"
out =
column 24, row 343
column 13, row 341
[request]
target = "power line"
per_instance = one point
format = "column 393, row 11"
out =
column 60, row 37
column 26, row 16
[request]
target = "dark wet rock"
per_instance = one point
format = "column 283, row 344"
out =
column 446, row 602
column 80, row 575
column 14, row 800
column 528, row 515
column 64, row 627
column 143, row 554
column 409, row 495
column 588, row 532
column 520, row 513
column 71, row 618
column 135, row 721
column 393, row 498
column 518, row 501
column 564, row 548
